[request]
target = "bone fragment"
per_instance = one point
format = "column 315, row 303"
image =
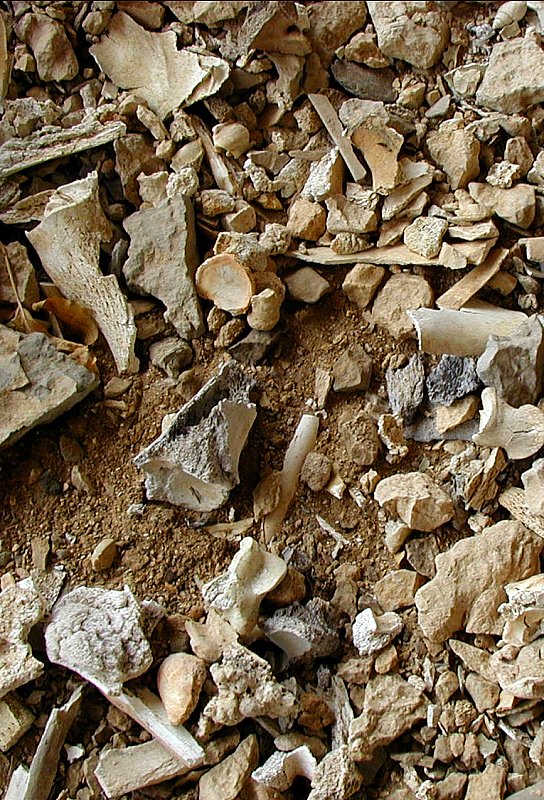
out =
column 463, row 291
column 330, row 120
column 225, row 281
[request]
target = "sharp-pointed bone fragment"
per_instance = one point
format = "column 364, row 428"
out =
column 46, row 144
column 520, row 431
column 194, row 463
column 464, row 332
column 237, row 594
column 68, row 244
column 330, row 120
column 463, row 291
column 280, row 770
column 150, row 65
column 302, row 442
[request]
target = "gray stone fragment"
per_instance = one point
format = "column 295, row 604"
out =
column 513, row 364
column 162, row 261
column 255, row 347
column 454, row 377
column 406, row 387
column 194, row 463
column 304, row 632
column 352, row 370
column 38, row 383
column 364, row 82
column 421, row 553
column 171, row 355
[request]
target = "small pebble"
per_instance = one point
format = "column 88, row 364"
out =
column 103, row 555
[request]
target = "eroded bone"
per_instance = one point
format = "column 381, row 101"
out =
column 524, row 611
column 520, row 431
column 280, row 770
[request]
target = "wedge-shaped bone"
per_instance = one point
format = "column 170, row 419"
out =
column 68, row 244
column 237, row 594
column 520, row 431
column 194, row 463
column 280, row 770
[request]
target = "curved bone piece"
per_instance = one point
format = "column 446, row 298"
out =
column 280, row 770
column 68, row 244
column 520, row 431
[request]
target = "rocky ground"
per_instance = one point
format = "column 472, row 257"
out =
column 271, row 361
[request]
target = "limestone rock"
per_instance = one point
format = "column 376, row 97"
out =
column 361, row 283
column 484, row 693
column 453, row 378
column 520, row 671
column 171, row 355
column 416, row 499
column 533, row 484
column 397, row 589
column 24, row 276
column 237, row 593
column 400, row 293
column 331, row 25
column 336, row 775
column 306, row 219
column 307, row 285
column 326, row 177
column 520, row 431
column 303, row 632
column 195, row 462
column 421, row 553
column 416, row 175
column 487, row 785
column 247, row 688
column 209, row 639
column 514, row 78
column 15, row 720
column 406, row 387
column 456, row 151
column 371, row 633
column 38, row 383
column 414, row 32
column 227, row 778
column 514, row 364
column 460, row 411
column 515, row 205
column 468, row 587
column 469, row 233
column 98, row 634
column 517, row 151
column 179, row 681
column 360, row 437
column 134, row 154
column 55, row 57
column 424, row 236
column 352, row 371
column 316, row 471
column 21, row 607
column 391, row 706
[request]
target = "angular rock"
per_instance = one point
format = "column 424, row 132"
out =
column 365, row 83
column 524, row 611
column 303, row 632
column 355, row 214
column 336, row 775
column 513, row 364
column 21, row 607
column 470, row 578
column 352, row 371
column 134, row 154
column 487, row 785
column 15, row 720
column 247, row 688
column 361, row 283
column 397, row 589
column 514, row 78
column 414, row 32
column 55, row 57
column 380, row 146
column 520, row 431
column 326, row 177
column 400, row 293
column 456, row 151
column 515, row 205
column 24, row 277
column 453, row 378
column 306, row 219
column 533, row 484
column 162, row 261
column 517, row 151
column 371, row 633
column 180, row 679
column 520, row 671
column 484, row 693
column 460, row 411
column 416, row 176
column 424, row 236
column 227, row 778
column 209, row 639
column 469, row 233
column 307, row 285
column 360, row 437
column 406, row 387
column 194, row 463
column 98, row 633
column 237, row 593
column 391, row 706
column 421, row 553
column 171, row 355
column 416, row 499
column 331, row 25
column 38, row 383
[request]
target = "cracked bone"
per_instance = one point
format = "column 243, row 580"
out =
column 523, row 614
column 67, row 241
column 194, row 463
column 280, row 770
column 520, row 431
column 237, row 593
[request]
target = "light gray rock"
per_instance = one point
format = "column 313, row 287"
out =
column 452, row 378
column 307, row 285
column 21, row 607
column 391, row 707
column 171, row 355
column 194, row 463
column 371, row 633
column 304, row 632
column 162, row 261
column 405, row 387
column 401, row 292
column 98, row 634
column 38, row 383
column 514, row 364
column 414, row 32
column 470, row 579
column 514, row 78
column 424, row 236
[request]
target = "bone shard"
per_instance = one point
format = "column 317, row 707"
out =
column 523, row 614
column 520, row 431
column 237, row 594
column 194, row 463
column 98, row 634
column 68, row 244
column 280, row 770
